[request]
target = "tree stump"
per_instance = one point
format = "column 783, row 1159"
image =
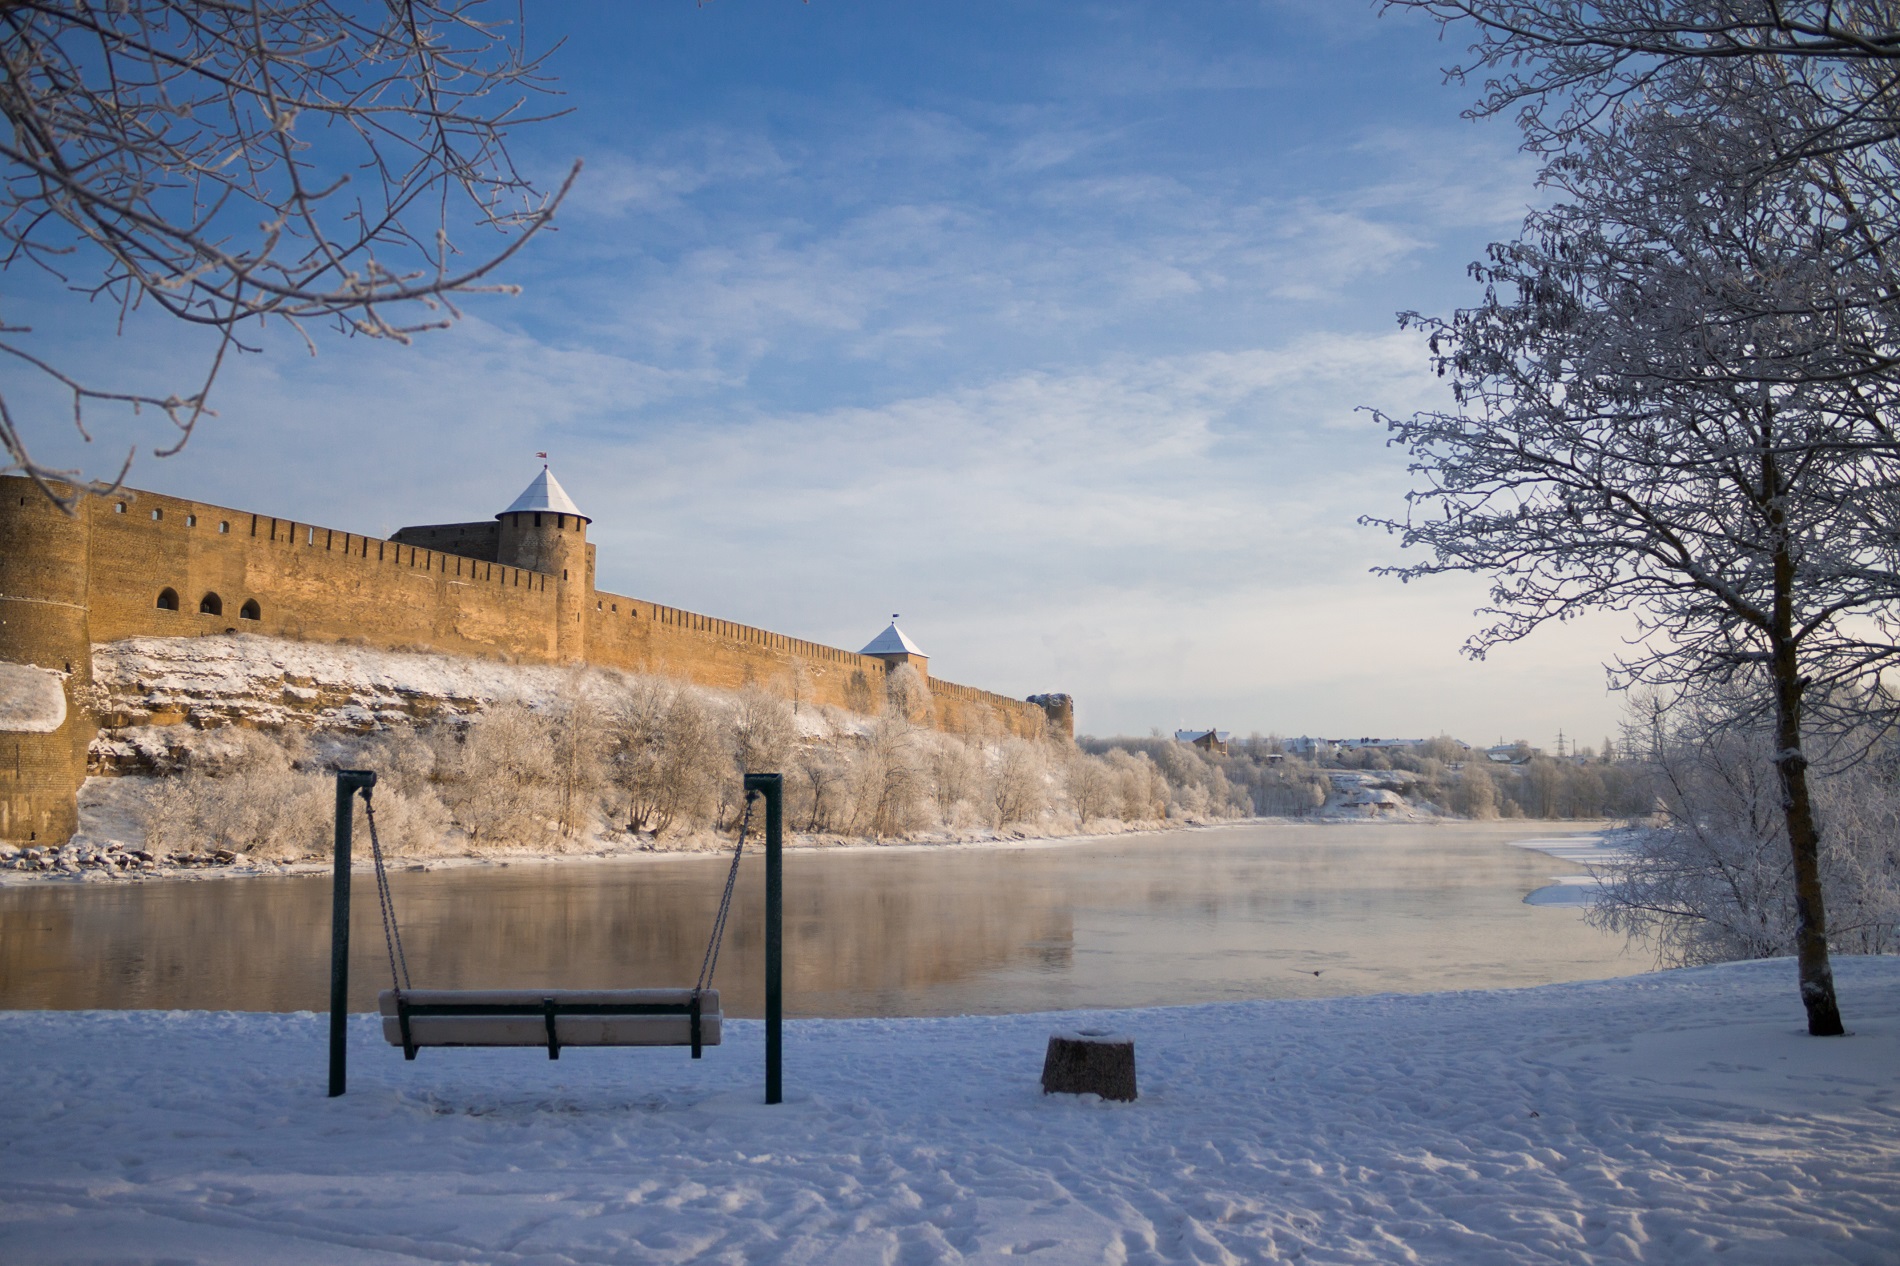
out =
column 1090, row 1062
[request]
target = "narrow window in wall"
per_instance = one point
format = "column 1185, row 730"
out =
column 311, row 539
column 168, row 600
column 119, row 509
column 191, row 520
column 211, row 604
column 253, row 525
column 157, row 515
column 250, row 610
column 224, row 528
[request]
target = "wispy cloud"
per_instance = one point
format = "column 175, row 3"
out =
column 1050, row 331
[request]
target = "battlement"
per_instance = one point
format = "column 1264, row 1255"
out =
column 144, row 564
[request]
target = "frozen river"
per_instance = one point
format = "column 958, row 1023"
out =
column 1269, row 911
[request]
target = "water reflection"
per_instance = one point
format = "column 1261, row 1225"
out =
column 1193, row 916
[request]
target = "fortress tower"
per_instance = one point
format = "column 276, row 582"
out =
column 45, row 663
column 544, row 531
column 541, row 531
column 896, row 649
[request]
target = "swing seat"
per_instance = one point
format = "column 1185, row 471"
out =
column 550, row 1018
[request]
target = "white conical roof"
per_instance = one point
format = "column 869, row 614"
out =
column 545, row 493
column 892, row 641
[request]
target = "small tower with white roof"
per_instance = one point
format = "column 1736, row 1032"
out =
column 544, row 531
column 896, row 649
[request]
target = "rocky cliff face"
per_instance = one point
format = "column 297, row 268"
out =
column 158, row 696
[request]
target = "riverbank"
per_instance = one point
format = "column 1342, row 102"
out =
column 1674, row 1117
column 89, row 859
column 96, row 857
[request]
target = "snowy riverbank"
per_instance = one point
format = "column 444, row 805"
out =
column 101, row 853
column 1675, row 1117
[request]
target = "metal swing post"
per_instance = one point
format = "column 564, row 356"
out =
column 772, row 787
column 348, row 783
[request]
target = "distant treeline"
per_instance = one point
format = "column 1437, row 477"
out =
column 1260, row 776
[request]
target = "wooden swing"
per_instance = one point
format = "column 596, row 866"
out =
column 552, row 1018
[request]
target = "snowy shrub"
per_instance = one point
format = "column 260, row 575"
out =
column 669, row 756
column 410, row 816
column 242, row 794
column 884, row 788
column 958, row 781
column 1019, row 785
column 501, row 782
column 1709, row 878
column 907, row 695
column 815, row 789
column 1091, row 785
column 763, row 731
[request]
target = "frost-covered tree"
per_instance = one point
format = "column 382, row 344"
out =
column 321, row 163
column 1563, row 64
column 1675, row 399
column 1709, row 878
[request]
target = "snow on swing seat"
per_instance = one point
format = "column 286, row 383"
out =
column 530, row 1017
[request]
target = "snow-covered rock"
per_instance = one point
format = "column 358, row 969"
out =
column 32, row 700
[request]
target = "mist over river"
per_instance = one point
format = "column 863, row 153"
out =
column 1251, row 911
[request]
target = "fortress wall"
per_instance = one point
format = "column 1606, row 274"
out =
column 96, row 576
column 641, row 636
column 309, row 582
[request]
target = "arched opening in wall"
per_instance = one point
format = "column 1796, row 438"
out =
column 250, row 610
column 168, row 600
column 211, row 604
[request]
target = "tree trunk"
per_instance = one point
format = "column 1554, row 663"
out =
column 1804, row 835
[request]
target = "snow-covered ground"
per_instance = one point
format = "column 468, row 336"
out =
column 1676, row 1117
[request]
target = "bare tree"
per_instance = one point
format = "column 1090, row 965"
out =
column 1584, row 56
column 670, row 754
column 1091, row 786
column 243, row 161
column 1671, row 402
column 886, row 782
column 763, row 731
column 1019, row 788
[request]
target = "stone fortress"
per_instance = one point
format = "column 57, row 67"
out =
column 518, row 587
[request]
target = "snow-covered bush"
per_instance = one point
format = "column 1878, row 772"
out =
column 500, row 780
column 669, row 751
column 885, row 786
column 242, row 793
column 1709, row 878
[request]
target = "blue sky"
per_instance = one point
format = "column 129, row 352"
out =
column 1043, row 324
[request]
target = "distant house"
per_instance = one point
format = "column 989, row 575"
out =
column 1310, row 748
column 1214, row 741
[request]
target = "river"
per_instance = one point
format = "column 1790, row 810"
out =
column 1252, row 911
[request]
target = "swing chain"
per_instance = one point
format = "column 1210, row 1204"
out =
column 711, row 962
column 392, row 931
